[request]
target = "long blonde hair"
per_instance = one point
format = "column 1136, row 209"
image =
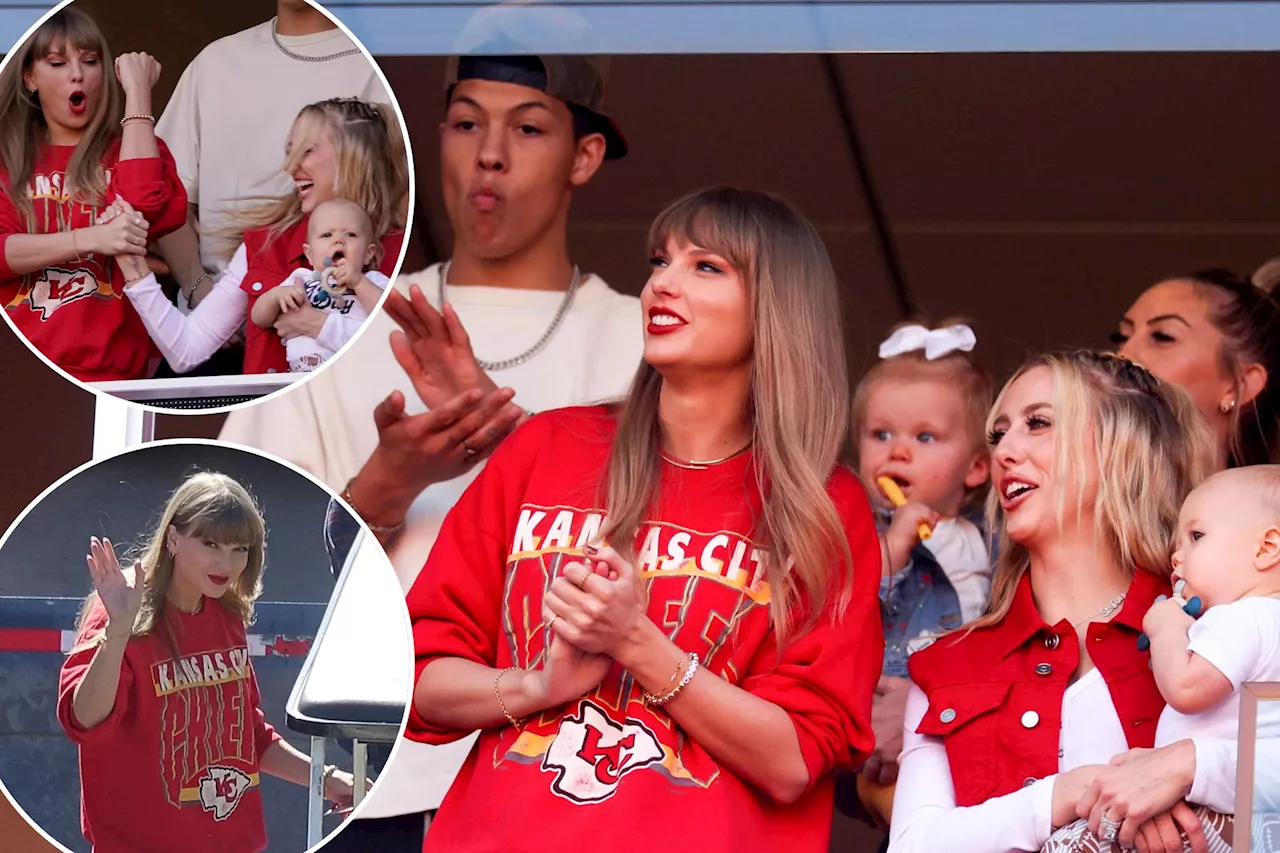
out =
column 206, row 505
column 22, row 125
column 799, row 397
column 1152, row 448
column 372, row 170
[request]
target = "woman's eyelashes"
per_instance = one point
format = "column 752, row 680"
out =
column 709, row 267
column 1160, row 337
column 1034, row 423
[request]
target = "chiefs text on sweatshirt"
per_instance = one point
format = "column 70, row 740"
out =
column 75, row 313
column 175, row 765
column 607, row 768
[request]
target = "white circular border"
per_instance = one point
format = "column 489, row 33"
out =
column 404, row 246
column 364, row 528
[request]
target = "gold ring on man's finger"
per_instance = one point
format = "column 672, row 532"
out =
column 471, row 451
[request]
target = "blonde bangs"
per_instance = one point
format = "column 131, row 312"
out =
column 799, row 403
column 698, row 221
column 22, row 122
column 226, row 520
column 79, row 31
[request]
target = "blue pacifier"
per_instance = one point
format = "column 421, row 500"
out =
column 1192, row 608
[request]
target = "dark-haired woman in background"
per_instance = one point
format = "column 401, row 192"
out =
column 1218, row 336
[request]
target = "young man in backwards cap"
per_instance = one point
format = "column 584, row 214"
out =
column 520, row 136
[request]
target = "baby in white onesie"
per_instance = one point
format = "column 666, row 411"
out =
column 341, row 251
column 1228, row 555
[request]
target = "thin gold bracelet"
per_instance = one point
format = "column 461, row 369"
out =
column 503, row 705
column 650, row 699
column 671, row 682
column 74, row 248
column 378, row 530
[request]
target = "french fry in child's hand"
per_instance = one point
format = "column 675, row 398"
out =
column 897, row 498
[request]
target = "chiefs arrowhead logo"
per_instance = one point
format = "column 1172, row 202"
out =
column 57, row 287
column 591, row 753
column 221, row 789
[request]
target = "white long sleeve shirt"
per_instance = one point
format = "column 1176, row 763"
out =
column 926, row 818
column 189, row 340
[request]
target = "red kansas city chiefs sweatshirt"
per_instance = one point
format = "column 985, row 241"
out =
column 607, row 766
column 175, row 765
column 76, row 313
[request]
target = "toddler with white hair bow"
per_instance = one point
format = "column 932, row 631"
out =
column 919, row 421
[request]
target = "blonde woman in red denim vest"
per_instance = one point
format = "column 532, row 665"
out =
column 1012, row 719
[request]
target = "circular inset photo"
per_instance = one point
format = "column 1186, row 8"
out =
column 200, row 203
column 203, row 651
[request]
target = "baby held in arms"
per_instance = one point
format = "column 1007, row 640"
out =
column 343, row 282
column 1228, row 556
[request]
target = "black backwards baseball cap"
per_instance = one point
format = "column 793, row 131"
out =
column 579, row 81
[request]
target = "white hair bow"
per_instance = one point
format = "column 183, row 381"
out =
column 935, row 342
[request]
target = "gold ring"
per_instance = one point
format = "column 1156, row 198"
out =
column 552, row 620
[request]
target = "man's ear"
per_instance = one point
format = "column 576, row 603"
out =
column 587, row 158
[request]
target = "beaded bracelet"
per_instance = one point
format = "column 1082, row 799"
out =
column 138, row 117
column 671, row 682
column 650, row 699
column 503, row 705
column 192, row 292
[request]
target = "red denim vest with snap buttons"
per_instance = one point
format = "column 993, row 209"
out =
column 269, row 262
column 995, row 694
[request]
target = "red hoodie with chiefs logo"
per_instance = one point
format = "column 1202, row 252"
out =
column 75, row 313
column 176, row 764
column 607, row 766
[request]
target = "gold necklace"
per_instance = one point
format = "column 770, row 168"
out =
column 699, row 465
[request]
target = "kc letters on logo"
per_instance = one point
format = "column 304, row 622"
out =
column 56, row 287
column 221, row 789
column 591, row 753
column 699, row 584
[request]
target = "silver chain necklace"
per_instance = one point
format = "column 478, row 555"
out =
column 490, row 366
column 1111, row 607
column 275, row 36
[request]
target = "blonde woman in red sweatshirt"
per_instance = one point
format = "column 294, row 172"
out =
column 663, row 614
column 159, row 694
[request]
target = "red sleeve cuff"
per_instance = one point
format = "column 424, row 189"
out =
column 265, row 736
column 5, row 270
column 104, row 730
column 149, row 188
column 417, row 728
